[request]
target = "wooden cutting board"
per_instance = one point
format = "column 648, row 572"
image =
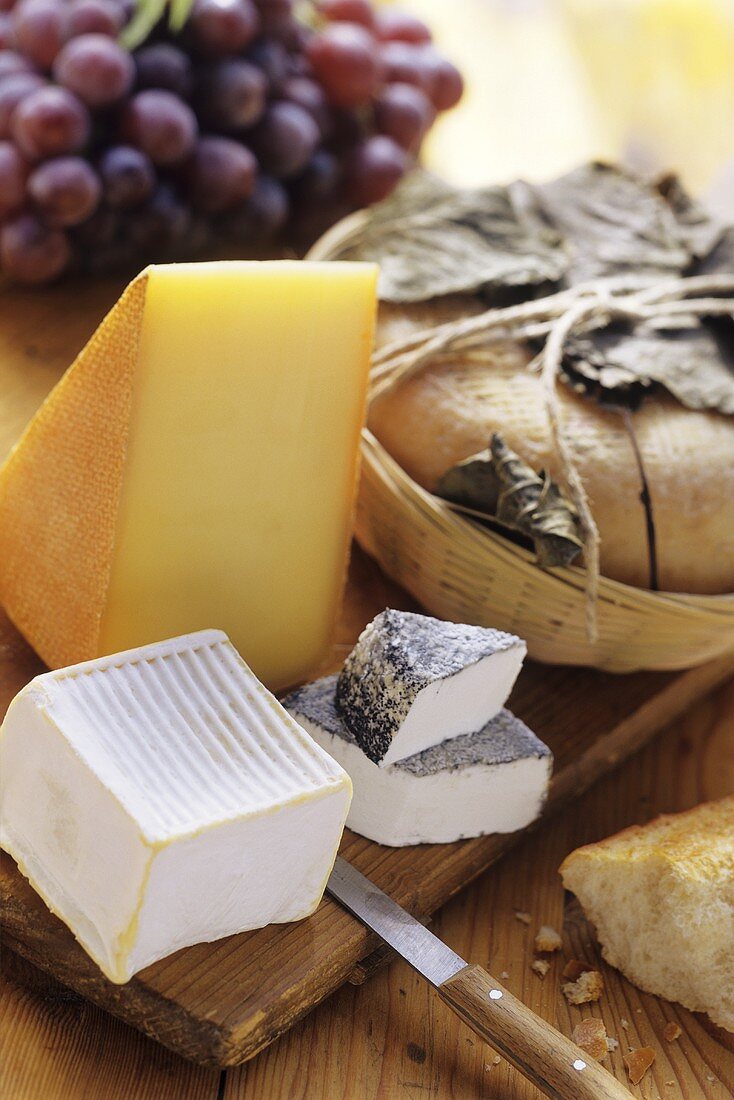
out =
column 220, row 1003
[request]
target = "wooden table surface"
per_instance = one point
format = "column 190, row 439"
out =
column 390, row 1037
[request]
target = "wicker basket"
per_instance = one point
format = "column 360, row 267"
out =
column 460, row 570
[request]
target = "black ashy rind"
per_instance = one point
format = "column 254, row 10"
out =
column 503, row 740
column 397, row 655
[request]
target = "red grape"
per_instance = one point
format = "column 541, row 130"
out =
column 404, row 113
column 274, row 60
column 221, row 28
column 261, row 216
column 345, row 61
column 162, row 222
column 97, row 231
column 7, row 33
column 303, row 119
column 285, row 139
column 376, row 166
column 31, row 252
column 232, row 95
column 348, row 11
column 405, row 64
column 277, row 21
column 13, row 174
column 321, row 181
column 160, row 124
column 95, row 17
column 164, row 66
column 50, row 122
column 12, row 90
column 445, row 84
column 400, row 26
column 348, row 128
column 12, row 63
column 66, row 190
column 311, row 96
column 221, row 174
column 40, row 29
column 96, row 69
column 128, row 176
column 127, row 8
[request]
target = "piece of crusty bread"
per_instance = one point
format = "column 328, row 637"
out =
column 661, row 897
column 449, row 410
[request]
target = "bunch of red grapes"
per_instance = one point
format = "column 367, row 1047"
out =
column 247, row 122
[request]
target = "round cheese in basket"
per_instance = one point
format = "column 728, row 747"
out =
column 663, row 464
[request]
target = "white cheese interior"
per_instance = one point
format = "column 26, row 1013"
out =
column 392, row 805
column 457, row 704
column 163, row 797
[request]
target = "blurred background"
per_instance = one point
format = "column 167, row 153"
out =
column 551, row 83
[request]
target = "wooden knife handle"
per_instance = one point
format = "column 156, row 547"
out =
column 551, row 1061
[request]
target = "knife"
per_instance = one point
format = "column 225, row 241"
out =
column 546, row 1057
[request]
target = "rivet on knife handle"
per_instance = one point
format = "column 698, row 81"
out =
column 551, row 1061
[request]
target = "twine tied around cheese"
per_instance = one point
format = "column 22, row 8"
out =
column 586, row 307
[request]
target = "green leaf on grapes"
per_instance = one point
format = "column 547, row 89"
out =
column 499, row 485
column 148, row 13
column 431, row 239
column 622, row 364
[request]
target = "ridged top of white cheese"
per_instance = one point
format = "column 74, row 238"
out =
column 184, row 735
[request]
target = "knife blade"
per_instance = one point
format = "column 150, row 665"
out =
column 425, row 952
column 546, row 1057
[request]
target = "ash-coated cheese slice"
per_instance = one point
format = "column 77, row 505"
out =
column 492, row 781
column 413, row 681
column 163, row 797
column 197, row 464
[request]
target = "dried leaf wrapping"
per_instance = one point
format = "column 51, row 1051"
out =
column 431, row 239
column 700, row 230
column 499, row 485
column 621, row 364
column 720, row 261
column 614, row 224
column 597, row 222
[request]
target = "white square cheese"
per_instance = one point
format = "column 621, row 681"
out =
column 162, row 797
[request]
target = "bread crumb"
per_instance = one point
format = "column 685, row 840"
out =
column 540, row 966
column 710, row 1077
column 589, row 987
column 591, row 1036
column 612, row 1043
column 504, row 975
column 672, row 1031
column 496, row 1060
column 574, row 968
column 638, row 1063
column 547, row 940
column 524, row 918
column 669, row 1084
column 625, row 1024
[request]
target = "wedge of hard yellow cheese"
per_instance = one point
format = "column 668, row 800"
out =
column 196, row 467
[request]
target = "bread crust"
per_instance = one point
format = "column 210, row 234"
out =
column 698, row 841
column 661, row 896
